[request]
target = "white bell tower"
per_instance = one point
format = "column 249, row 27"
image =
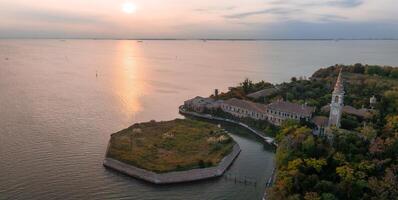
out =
column 336, row 106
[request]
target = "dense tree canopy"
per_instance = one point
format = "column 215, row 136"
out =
column 358, row 163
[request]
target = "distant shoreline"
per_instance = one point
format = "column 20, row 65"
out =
column 207, row 39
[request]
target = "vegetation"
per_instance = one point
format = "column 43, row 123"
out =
column 176, row 145
column 357, row 162
column 354, row 165
column 360, row 84
column 244, row 88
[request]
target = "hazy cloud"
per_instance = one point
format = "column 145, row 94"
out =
column 277, row 11
column 345, row 3
column 200, row 19
column 52, row 16
column 331, row 18
column 327, row 3
column 215, row 9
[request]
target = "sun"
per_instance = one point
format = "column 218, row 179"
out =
column 129, row 7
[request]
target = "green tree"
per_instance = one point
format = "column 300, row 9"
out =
column 346, row 173
column 312, row 196
column 394, row 73
column 316, row 164
column 368, row 132
column 247, row 86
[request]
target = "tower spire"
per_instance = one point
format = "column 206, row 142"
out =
column 336, row 106
column 338, row 87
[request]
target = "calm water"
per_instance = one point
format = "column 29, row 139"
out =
column 56, row 115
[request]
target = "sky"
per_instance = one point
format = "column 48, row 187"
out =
column 187, row 19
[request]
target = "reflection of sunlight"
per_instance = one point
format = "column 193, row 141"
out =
column 129, row 77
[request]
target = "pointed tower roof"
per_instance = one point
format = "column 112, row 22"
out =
column 339, row 88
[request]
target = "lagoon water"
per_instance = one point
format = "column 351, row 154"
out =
column 61, row 99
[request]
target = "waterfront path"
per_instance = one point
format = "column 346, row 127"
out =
column 177, row 176
column 260, row 134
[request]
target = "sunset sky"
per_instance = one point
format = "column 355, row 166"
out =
column 277, row 19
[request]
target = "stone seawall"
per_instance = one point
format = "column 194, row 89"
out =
column 177, row 176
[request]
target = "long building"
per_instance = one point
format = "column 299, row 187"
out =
column 275, row 112
column 243, row 108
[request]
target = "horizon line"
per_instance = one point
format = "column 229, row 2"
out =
column 195, row 39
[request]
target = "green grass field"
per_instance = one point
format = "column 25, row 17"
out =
column 176, row 145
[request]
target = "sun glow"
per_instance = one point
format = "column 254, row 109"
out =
column 129, row 7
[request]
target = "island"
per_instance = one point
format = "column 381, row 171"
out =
column 336, row 132
column 173, row 151
column 335, row 135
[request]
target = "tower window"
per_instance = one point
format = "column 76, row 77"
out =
column 336, row 99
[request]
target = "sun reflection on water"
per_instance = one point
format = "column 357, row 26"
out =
column 129, row 78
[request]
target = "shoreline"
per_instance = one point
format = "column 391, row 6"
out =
column 176, row 176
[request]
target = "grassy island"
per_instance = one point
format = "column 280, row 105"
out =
column 166, row 146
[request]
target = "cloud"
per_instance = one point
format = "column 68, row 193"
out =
column 320, row 3
column 26, row 13
column 28, row 21
column 331, row 18
column 328, row 30
column 277, row 11
column 57, row 17
column 201, row 19
column 345, row 3
column 215, row 9
column 302, row 10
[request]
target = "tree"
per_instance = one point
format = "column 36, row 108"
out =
column 358, row 68
column 309, row 146
column 374, row 70
column 346, row 173
column 368, row 132
column 315, row 163
column 391, row 126
column 312, row 196
column 328, row 196
column 394, row 73
column 247, row 86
